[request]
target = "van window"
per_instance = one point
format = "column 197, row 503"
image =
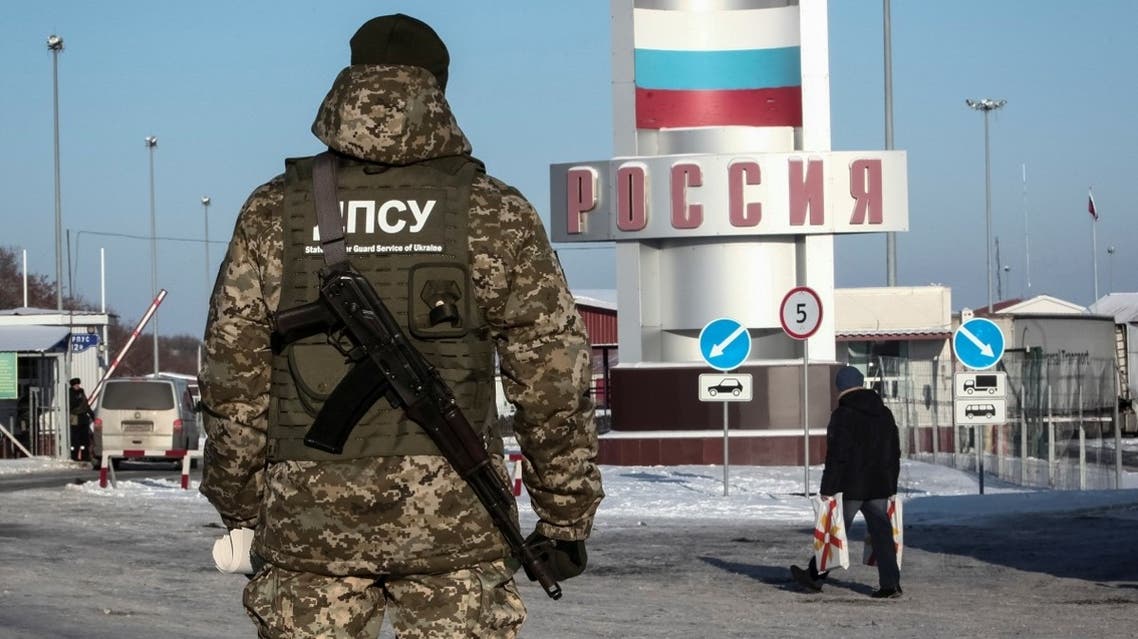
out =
column 138, row 396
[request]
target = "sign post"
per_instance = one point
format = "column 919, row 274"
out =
column 801, row 314
column 724, row 344
column 979, row 399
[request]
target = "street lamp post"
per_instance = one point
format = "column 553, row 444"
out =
column 208, row 290
column 55, row 45
column 151, row 144
column 205, row 212
column 987, row 105
column 890, row 237
column 1110, row 269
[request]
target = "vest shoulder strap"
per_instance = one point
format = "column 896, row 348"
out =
column 327, row 213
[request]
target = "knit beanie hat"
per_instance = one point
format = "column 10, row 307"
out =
column 848, row 377
column 401, row 39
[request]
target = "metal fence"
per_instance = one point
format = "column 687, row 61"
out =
column 1063, row 428
column 31, row 420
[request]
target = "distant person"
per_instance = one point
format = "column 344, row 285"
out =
column 24, row 419
column 464, row 264
column 81, row 417
column 863, row 462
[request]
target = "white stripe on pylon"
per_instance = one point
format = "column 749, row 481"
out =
column 738, row 30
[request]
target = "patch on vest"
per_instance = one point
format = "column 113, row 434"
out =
column 372, row 226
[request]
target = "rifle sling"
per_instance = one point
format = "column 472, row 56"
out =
column 328, row 215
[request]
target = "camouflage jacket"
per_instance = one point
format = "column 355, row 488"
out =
column 389, row 515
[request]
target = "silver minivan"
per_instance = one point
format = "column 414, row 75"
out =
column 144, row 414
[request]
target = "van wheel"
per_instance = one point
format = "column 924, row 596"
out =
column 96, row 462
column 116, row 463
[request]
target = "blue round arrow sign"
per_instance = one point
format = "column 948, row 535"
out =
column 978, row 343
column 724, row 344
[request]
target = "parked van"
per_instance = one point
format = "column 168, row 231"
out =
column 144, row 414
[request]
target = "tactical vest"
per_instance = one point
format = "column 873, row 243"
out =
column 406, row 231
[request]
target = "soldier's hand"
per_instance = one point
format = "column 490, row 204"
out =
column 565, row 559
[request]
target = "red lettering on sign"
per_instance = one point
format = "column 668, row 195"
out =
column 806, row 193
column 684, row 215
column 739, row 212
column 631, row 197
column 581, row 194
column 865, row 187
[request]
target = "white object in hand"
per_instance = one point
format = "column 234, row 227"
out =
column 232, row 553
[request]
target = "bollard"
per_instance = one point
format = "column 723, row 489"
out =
column 516, row 458
column 185, row 455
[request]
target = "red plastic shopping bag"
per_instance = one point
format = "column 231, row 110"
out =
column 867, row 556
column 830, row 547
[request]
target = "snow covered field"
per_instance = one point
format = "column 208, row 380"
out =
column 671, row 556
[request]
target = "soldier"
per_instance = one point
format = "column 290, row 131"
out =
column 81, row 416
column 463, row 262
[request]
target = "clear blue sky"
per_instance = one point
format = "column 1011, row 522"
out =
column 231, row 88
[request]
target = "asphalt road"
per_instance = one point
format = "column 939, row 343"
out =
column 92, row 569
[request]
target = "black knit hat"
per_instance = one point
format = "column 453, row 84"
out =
column 401, row 39
column 848, row 377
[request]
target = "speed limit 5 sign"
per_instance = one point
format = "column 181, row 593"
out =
column 801, row 312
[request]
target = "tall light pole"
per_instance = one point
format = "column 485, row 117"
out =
column 55, row 45
column 205, row 214
column 151, row 144
column 208, row 290
column 890, row 237
column 987, row 105
column 1110, row 269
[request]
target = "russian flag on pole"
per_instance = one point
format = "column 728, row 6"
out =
column 830, row 546
column 1091, row 205
column 717, row 67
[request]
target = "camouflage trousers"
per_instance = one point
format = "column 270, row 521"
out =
column 481, row 602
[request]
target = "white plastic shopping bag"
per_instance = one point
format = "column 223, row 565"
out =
column 867, row 556
column 232, row 553
column 830, row 547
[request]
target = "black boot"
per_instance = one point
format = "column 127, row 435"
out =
column 805, row 580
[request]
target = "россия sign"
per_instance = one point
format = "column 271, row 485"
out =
column 702, row 195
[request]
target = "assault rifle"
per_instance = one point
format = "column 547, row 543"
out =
column 387, row 365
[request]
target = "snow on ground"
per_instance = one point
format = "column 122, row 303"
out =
column 767, row 493
column 29, row 465
column 671, row 557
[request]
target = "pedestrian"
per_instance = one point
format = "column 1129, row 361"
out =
column 462, row 261
column 24, row 419
column 863, row 461
column 80, row 421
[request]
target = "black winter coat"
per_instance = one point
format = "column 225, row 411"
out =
column 863, row 450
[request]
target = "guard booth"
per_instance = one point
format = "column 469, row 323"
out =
column 40, row 350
